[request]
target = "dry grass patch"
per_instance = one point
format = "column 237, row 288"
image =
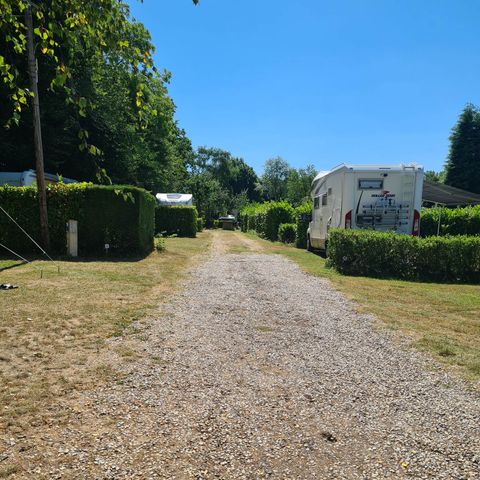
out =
column 441, row 319
column 53, row 330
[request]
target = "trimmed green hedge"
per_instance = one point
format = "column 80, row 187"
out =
column 303, row 214
column 265, row 218
column 181, row 220
column 200, row 224
column 121, row 216
column 453, row 221
column 287, row 232
column 375, row 254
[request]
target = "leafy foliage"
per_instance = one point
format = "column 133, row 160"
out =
column 220, row 183
column 438, row 177
column 287, row 232
column 299, row 184
column 453, row 221
column 375, row 254
column 181, row 220
column 463, row 165
column 159, row 243
column 106, row 113
column 123, row 217
column 265, row 218
column 274, row 178
column 303, row 215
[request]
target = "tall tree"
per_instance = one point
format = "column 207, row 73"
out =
column 463, row 164
column 220, row 183
column 274, row 178
column 233, row 173
column 438, row 177
column 106, row 112
column 299, row 184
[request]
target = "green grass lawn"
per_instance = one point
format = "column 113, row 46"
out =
column 441, row 319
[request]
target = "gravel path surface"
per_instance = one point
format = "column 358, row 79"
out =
column 260, row 371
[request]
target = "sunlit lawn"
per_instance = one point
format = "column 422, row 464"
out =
column 53, row 329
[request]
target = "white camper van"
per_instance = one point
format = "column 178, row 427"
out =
column 174, row 199
column 375, row 197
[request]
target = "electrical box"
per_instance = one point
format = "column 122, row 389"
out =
column 72, row 238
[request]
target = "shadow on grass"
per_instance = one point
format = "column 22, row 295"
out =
column 110, row 258
column 10, row 266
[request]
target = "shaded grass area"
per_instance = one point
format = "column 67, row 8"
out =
column 53, row 329
column 6, row 264
column 441, row 319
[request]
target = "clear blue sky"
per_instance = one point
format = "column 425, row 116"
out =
column 321, row 82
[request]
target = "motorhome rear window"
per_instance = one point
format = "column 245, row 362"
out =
column 316, row 202
column 370, row 184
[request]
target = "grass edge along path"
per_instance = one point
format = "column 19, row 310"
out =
column 53, row 330
column 441, row 319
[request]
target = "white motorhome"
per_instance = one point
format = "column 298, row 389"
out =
column 174, row 199
column 375, row 197
column 29, row 177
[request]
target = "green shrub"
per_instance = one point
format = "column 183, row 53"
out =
column 276, row 214
column 303, row 214
column 217, row 224
column 453, row 221
column 265, row 218
column 200, row 224
column 287, row 232
column 181, row 220
column 159, row 243
column 121, row 216
column 375, row 254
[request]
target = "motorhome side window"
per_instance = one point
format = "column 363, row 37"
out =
column 324, row 199
column 316, row 202
column 370, row 184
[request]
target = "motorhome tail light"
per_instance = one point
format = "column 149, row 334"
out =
column 416, row 223
column 348, row 219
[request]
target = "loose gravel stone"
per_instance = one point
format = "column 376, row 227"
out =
column 259, row 371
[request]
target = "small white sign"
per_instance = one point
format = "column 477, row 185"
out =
column 107, row 246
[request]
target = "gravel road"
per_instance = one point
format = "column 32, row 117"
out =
column 257, row 370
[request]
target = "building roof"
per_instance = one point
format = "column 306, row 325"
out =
column 368, row 168
column 434, row 192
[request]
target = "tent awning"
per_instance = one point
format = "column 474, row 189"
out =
column 434, row 192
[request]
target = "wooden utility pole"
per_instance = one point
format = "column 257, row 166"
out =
column 37, row 129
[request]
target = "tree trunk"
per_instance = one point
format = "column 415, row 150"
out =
column 37, row 131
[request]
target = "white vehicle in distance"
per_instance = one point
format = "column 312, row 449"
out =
column 373, row 197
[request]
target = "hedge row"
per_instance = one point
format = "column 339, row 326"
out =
column 375, row 254
column 181, row 220
column 287, row 232
column 266, row 218
column 303, row 216
column 453, row 221
column 121, row 216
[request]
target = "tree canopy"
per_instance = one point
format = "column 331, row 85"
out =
column 106, row 112
column 221, row 183
column 279, row 181
column 463, row 164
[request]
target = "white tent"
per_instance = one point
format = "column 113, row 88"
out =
column 172, row 199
